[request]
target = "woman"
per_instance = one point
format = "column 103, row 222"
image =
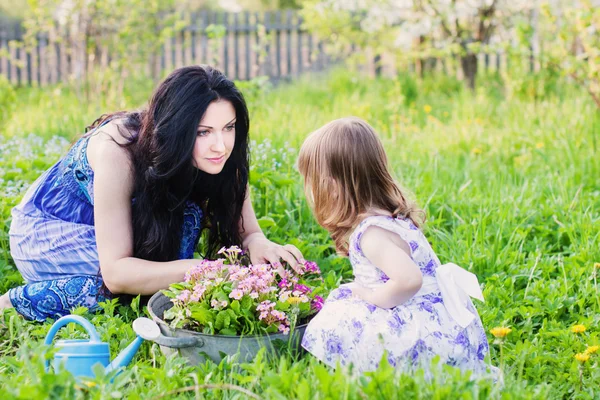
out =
column 122, row 212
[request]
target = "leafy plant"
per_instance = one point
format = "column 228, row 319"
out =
column 231, row 297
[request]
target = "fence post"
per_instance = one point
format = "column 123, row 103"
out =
column 299, row 45
column 226, row 44
column 288, row 32
column 257, row 42
column 247, row 43
column 377, row 62
column 278, row 41
column 534, row 64
column 204, row 41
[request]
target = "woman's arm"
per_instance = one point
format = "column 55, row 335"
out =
column 261, row 249
column 388, row 252
column 113, row 186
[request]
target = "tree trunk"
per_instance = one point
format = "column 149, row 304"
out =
column 468, row 63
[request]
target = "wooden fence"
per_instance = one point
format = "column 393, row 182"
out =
column 272, row 44
column 243, row 52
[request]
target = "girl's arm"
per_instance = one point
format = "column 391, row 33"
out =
column 261, row 249
column 113, row 186
column 388, row 252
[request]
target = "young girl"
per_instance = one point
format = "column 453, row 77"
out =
column 122, row 212
column 403, row 303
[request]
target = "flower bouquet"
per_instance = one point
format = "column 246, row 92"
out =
column 229, row 296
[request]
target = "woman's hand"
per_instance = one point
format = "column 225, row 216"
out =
column 263, row 251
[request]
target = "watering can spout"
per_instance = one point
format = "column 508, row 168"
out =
column 125, row 357
column 145, row 329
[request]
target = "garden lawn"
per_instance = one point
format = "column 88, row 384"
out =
column 510, row 183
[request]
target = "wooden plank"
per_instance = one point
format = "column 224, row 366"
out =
column 22, row 75
column 76, row 62
column 64, row 56
column 187, row 47
column 310, row 51
column 247, row 45
column 288, row 31
column 168, row 52
column 226, row 44
column 299, row 47
column 268, row 61
column 278, row 42
column 192, row 31
column 3, row 48
column 236, row 49
column 53, row 56
column 257, row 65
column 12, row 51
column 34, row 66
column 204, row 41
column 178, row 48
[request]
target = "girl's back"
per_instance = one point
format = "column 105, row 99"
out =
column 422, row 254
column 351, row 330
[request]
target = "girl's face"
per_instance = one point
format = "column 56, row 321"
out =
column 215, row 138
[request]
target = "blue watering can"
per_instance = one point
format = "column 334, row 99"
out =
column 79, row 356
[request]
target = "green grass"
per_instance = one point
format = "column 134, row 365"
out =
column 511, row 191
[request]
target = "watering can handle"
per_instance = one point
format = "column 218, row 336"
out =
column 68, row 319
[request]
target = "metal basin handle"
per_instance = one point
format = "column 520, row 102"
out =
column 179, row 342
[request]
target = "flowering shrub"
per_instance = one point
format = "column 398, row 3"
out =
column 230, row 297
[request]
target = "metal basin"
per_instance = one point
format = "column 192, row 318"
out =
column 196, row 347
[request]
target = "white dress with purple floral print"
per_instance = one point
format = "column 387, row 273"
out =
column 349, row 330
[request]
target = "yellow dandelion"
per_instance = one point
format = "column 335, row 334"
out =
column 294, row 300
column 539, row 145
column 427, row 108
column 597, row 265
column 476, row 150
column 582, row 357
column 88, row 384
column 592, row 349
column 500, row 331
column 578, row 328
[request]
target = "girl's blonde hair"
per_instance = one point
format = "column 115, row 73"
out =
column 346, row 178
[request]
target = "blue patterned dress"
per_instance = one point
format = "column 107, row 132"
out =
column 349, row 330
column 53, row 240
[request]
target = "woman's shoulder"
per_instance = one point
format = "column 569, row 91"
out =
column 107, row 146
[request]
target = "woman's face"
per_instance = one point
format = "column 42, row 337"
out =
column 215, row 138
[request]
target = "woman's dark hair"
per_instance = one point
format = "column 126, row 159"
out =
column 161, row 142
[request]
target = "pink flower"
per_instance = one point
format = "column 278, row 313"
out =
column 265, row 306
column 284, row 329
column 284, row 283
column 284, row 295
column 302, row 288
column 312, row 266
column 236, row 294
column 278, row 314
column 235, row 249
column 317, row 303
column 184, row 296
